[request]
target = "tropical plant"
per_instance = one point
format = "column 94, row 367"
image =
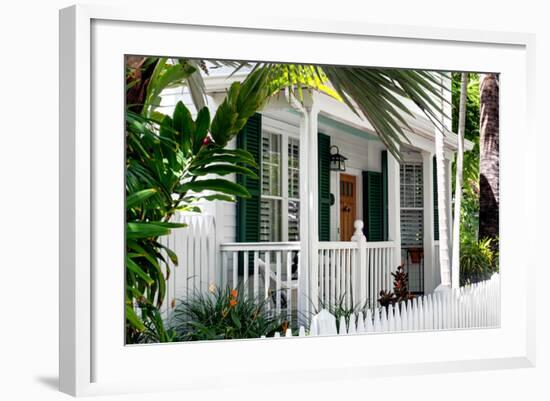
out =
column 167, row 159
column 340, row 308
column 400, row 291
column 478, row 260
column 375, row 94
column 225, row 313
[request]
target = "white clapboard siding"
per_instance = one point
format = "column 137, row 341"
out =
column 194, row 246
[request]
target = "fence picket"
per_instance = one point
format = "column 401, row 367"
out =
column 471, row 306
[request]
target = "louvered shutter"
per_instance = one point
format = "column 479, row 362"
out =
column 436, row 202
column 375, row 202
column 373, row 206
column 323, row 143
column 248, row 209
column 385, row 195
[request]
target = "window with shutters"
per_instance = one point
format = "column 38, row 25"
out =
column 412, row 201
column 280, row 203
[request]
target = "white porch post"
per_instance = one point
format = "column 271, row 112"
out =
column 309, row 238
column 312, row 113
column 448, row 163
column 394, row 209
column 304, row 219
column 429, row 244
column 360, row 276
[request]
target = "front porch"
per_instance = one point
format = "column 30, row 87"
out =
column 311, row 236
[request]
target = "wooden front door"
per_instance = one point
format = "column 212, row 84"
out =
column 348, row 202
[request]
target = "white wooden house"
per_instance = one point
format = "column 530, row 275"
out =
column 310, row 235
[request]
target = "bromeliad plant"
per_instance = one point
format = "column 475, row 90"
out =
column 226, row 313
column 400, row 291
column 171, row 163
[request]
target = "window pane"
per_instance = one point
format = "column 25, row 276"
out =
column 293, row 220
column 293, row 168
column 270, row 220
column 411, row 228
column 271, row 164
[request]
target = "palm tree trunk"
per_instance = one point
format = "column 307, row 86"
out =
column 455, row 263
column 489, row 157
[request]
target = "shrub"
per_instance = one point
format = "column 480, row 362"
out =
column 400, row 289
column 225, row 313
column 478, row 259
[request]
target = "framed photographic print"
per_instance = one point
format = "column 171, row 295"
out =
column 293, row 196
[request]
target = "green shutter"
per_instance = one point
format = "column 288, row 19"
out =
column 385, row 195
column 375, row 202
column 436, row 202
column 248, row 209
column 323, row 142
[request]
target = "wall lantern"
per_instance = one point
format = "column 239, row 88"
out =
column 337, row 161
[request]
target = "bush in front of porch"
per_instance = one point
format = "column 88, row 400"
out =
column 226, row 313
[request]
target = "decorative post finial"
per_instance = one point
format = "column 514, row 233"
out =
column 358, row 234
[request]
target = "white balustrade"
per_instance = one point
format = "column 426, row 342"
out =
column 354, row 272
column 275, row 267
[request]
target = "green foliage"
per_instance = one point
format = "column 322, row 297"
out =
column 478, row 257
column 372, row 93
column 225, row 313
column 478, row 260
column 167, row 158
column 340, row 309
column 165, row 75
column 242, row 101
column 470, row 189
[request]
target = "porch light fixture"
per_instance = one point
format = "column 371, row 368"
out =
column 337, row 161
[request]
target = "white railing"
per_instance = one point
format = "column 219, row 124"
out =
column 264, row 270
column 353, row 273
column 196, row 270
column 471, row 306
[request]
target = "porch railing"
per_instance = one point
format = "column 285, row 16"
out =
column 353, row 273
column 264, row 270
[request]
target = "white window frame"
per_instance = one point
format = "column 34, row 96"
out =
column 402, row 207
column 270, row 126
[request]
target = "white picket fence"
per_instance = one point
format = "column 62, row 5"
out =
column 197, row 268
column 471, row 306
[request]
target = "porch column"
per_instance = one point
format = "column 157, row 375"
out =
column 308, row 275
column 394, row 208
column 428, row 223
column 448, row 163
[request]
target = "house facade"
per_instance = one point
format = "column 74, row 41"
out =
column 333, row 213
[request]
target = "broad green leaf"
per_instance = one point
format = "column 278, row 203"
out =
column 217, row 185
column 133, row 319
column 139, row 197
column 223, row 169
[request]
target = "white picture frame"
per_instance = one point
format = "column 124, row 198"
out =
column 91, row 362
